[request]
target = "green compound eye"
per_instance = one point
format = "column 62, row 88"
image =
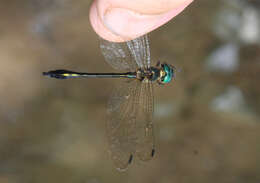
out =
column 169, row 74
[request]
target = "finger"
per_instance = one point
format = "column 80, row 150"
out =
column 122, row 20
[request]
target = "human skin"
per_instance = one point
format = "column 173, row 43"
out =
column 123, row 20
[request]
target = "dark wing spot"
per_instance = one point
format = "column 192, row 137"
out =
column 130, row 159
column 153, row 152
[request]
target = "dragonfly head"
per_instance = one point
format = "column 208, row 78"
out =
column 167, row 72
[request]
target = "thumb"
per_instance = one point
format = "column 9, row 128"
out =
column 123, row 20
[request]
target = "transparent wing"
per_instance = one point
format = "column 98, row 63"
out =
column 121, row 121
column 118, row 55
column 140, row 51
column 129, row 127
column 129, row 55
column 144, row 124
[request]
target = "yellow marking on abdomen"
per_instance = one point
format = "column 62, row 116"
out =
column 67, row 74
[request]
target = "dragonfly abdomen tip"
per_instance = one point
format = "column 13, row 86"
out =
column 58, row 74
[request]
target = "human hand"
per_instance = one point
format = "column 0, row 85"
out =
column 122, row 20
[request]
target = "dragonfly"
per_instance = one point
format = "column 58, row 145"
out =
column 131, row 105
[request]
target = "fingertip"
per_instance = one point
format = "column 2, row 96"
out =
column 98, row 25
column 119, row 23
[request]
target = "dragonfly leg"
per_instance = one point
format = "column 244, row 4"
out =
column 160, row 83
column 158, row 63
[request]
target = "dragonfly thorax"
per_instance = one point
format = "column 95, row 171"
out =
column 151, row 74
column 162, row 74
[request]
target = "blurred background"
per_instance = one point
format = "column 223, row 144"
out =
column 207, row 122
